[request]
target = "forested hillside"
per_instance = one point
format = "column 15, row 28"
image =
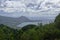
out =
column 32, row 32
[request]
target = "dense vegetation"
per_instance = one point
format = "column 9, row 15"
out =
column 32, row 32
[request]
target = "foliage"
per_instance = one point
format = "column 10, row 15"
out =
column 6, row 33
column 27, row 27
column 47, row 32
column 57, row 21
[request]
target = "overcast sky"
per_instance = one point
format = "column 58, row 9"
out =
column 30, row 8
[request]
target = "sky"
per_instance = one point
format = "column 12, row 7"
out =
column 29, row 8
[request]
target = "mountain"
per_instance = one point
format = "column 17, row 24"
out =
column 23, row 18
column 13, row 21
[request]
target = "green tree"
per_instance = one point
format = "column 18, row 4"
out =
column 30, row 35
column 6, row 33
column 27, row 27
column 57, row 21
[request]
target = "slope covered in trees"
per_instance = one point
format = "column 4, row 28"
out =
column 32, row 32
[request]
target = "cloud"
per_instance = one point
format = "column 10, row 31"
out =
column 31, row 7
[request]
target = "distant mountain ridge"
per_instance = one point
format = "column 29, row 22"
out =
column 15, row 21
column 12, row 21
